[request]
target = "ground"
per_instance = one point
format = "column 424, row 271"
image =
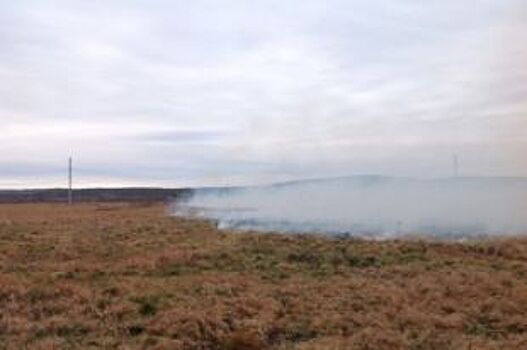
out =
column 128, row 276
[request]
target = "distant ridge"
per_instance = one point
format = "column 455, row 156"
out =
column 158, row 194
column 58, row 195
column 380, row 178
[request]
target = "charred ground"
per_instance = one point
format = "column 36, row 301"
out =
column 128, row 276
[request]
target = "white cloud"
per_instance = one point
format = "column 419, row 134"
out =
column 295, row 89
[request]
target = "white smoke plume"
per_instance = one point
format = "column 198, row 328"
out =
column 371, row 206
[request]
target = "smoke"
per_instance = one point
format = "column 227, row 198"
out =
column 370, row 206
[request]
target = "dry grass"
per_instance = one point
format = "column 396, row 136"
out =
column 128, row 277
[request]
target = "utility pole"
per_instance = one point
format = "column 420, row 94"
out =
column 70, row 181
column 456, row 165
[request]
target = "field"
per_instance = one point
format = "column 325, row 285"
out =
column 127, row 276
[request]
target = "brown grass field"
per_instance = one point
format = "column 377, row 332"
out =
column 125, row 276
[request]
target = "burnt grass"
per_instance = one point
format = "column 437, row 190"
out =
column 127, row 276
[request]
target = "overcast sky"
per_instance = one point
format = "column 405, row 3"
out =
column 177, row 93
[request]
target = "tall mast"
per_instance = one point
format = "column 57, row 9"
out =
column 70, row 181
column 455, row 161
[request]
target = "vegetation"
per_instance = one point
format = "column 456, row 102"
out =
column 127, row 276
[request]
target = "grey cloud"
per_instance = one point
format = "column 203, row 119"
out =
column 304, row 88
column 180, row 136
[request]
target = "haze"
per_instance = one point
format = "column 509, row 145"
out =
column 171, row 93
column 371, row 206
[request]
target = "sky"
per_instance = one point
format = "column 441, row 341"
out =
column 193, row 93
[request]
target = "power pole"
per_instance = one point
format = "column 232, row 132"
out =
column 70, row 181
column 455, row 161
